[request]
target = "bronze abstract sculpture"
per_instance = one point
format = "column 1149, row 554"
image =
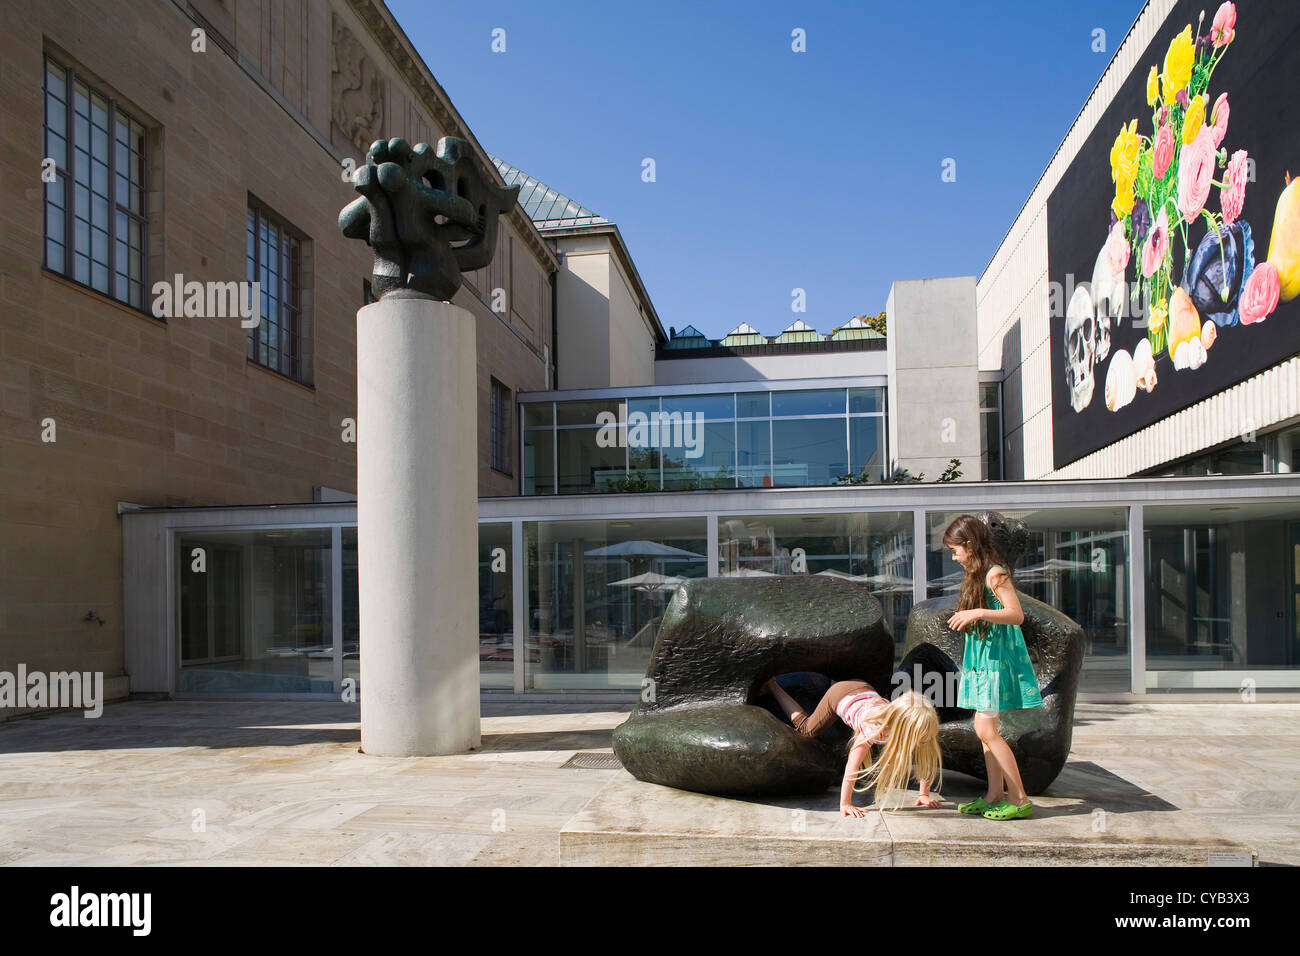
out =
column 428, row 214
column 710, row 727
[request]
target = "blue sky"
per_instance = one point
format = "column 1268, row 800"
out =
column 777, row 170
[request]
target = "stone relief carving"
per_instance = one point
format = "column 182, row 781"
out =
column 357, row 90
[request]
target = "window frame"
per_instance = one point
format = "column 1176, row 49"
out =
column 66, row 181
column 261, row 213
column 499, row 426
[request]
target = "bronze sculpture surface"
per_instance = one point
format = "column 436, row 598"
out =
column 427, row 213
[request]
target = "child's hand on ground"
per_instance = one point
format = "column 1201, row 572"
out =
column 928, row 801
column 849, row 810
column 964, row 619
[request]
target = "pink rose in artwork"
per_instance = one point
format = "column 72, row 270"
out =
column 1157, row 244
column 1117, row 249
column 1219, row 119
column 1260, row 294
column 1232, row 195
column 1163, row 152
column 1196, row 174
column 1225, row 24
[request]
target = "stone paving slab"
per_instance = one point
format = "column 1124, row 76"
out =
column 283, row 783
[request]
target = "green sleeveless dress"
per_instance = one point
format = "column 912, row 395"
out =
column 996, row 673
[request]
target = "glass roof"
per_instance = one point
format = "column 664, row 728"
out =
column 542, row 203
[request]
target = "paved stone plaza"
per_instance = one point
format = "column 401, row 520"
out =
column 283, row 783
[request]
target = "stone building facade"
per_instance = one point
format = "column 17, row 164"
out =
column 205, row 139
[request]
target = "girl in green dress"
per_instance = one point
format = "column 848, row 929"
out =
column 996, row 671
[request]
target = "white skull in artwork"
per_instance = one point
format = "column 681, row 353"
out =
column 1080, row 347
column 1107, row 300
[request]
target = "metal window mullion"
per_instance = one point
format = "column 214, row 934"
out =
column 336, row 604
column 848, row 437
column 257, row 273
column 111, row 134
column 1137, row 599
column 885, row 470
column 735, row 443
column 555, row 450
column 661, row 444
column 771, row 448
column 144, row 211
column 70, row 187
column 519, row 449
column 295, row 289
column 518, row 597
column 920, row 554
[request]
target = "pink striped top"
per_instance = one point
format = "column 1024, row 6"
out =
column 860, row 708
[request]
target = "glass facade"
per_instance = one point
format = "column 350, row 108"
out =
column 1222, row 596
column 597, row 591
column 254, row 611
column 496, row 617
column 351, row 608
column 874, row 549
column 1077, row 562
column 764, row 439
column 991, row 430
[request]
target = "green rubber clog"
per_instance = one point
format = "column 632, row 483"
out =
column 1006, row 810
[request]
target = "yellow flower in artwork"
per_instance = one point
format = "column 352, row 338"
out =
column 1194, row 120
column 1178, row 62
column 1122, row 204
column 1124, row 154
column 1159, row 312
column 1153, row 87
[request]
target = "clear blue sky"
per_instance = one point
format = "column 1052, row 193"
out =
column 775, row 170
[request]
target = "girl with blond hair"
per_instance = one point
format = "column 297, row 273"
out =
column 907, row 728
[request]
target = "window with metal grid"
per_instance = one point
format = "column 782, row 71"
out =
column 96, row 210
column 274, row 259
column 500, row 419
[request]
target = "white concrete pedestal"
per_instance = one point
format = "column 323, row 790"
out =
column 417, row 527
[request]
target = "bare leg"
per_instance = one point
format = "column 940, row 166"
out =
column 987, row 728
column 997, row 749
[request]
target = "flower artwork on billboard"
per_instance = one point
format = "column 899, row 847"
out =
column 1174, row 235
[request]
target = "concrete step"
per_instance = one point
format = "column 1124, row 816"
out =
column 1088, row 817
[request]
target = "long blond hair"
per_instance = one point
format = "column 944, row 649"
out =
column 912, row 749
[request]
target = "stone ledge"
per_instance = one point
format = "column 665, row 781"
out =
column 630, row 823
